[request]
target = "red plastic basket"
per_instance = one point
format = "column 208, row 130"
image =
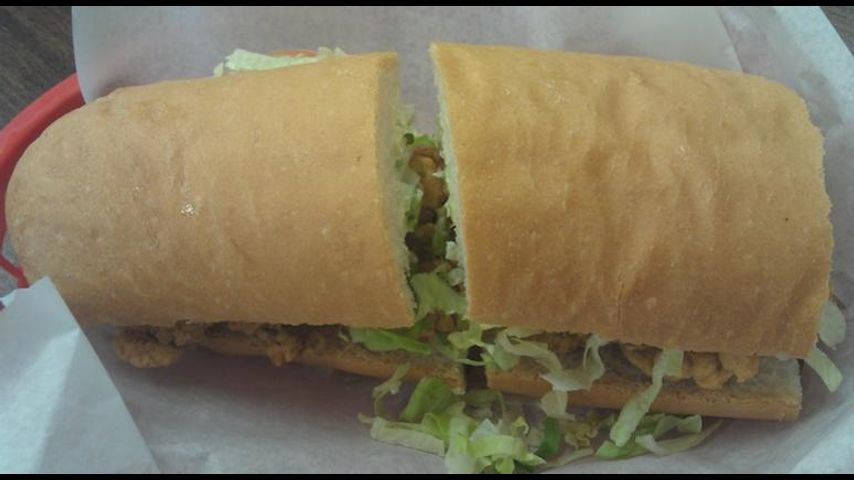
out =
column 18, row 134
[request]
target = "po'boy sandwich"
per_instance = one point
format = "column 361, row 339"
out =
column 597, row 231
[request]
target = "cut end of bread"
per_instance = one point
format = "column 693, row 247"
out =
column 389, row 151
column 453, row 205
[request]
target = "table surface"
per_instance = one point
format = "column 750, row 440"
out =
column 36, row 53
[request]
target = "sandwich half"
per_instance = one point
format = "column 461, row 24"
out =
column 626, row 223
column 257, row 212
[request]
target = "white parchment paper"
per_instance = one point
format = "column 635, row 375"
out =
column 59, row 411
column 223, row 414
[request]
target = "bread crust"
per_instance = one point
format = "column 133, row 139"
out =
column 775, row 396
column 255, row 197
column 649, row 202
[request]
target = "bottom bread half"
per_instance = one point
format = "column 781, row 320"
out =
column 335, row 353
column 774, row 394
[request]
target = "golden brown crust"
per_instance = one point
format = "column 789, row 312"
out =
column 778, row 399
column 249, row 198
column 650, row 202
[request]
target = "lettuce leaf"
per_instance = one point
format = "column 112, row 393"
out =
column 500, row 446
column 388, row 387
column 396, row 433
column 452, row 252
column 669, row 362
column 457, row 457
column 434, row 421
column 583, row 377
column 411, row 196
column 511, row 345
column 434, row 293
column 609, row 451
column 428, row 435
column 456, row 276
column 468, row 337
column 646, row 438
column 550, row 445
column 392, row 385
column 580, row 434
column 441, row 233
column 438, row 421
column 665, row 423
column 675, row 445
column 831, row 328
column 379, row 340
column 244, row 61
column 483, row 400
column 554, row 404
column 431, row 395
column 831, row 332
column 824, row 367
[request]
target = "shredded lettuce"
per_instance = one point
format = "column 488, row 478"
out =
column 482, row 401
column 431, row 395
column 379, row 340
column 411, row 196
column 583, row 377
column 441, row 233
column 425, row 436
column 476, row 437
column 388, row 387
column 609, row 451
column 824, row 367
column 452, row 252
column 669, row 362
column 831, row 332
column 456, row 276
column 243, row 61
column 580, row 434
column 434, row 421
column 457, row 457
column 500, row 446
column 396, row 433
column 550, row 446
column 647, row 437
column 554, row 404
column 482, row 397
column 434, row 293
column 511, row 345
column 665, row 423
column 675, row 445
column 831, row 329
column 469, row 337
